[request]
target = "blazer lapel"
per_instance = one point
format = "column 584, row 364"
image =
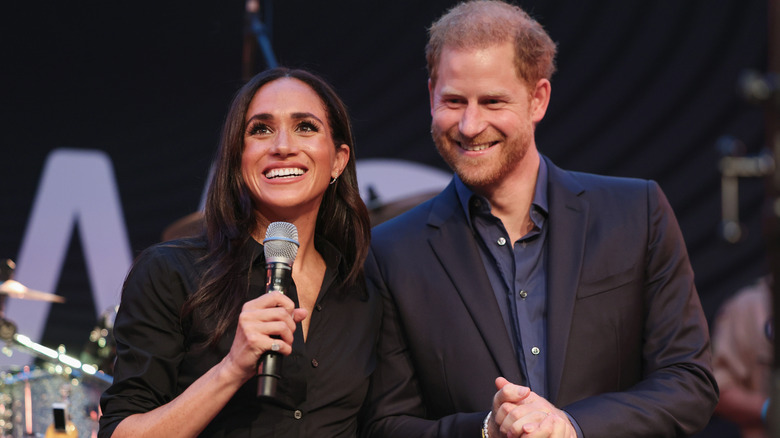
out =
column 456, row 249
column 568, row 223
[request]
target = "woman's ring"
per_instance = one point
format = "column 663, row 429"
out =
column 274, row 347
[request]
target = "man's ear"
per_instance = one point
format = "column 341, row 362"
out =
column 540, row 99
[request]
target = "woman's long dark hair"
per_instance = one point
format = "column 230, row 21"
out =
column 342, row 219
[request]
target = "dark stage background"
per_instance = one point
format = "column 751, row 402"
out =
column 644, row 89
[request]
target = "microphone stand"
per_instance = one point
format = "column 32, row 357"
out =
column 257, row 34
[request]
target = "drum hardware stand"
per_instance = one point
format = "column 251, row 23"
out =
column 7, row 327
column 733, row 165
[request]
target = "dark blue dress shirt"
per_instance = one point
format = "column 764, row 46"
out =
column 518, row 275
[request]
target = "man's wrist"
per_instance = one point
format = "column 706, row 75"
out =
column 485, row 425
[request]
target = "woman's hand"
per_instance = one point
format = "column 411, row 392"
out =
column 265, row 323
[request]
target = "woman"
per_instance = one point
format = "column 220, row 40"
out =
column 195, row 319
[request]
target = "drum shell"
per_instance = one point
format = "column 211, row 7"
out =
column 26, row 400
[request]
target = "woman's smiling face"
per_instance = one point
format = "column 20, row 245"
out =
column 289, row 156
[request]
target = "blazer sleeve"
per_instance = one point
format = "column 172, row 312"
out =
column 395, row 404
column 677, row 392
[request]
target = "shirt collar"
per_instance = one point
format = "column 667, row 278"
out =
column 467, row 196
column 254, row 252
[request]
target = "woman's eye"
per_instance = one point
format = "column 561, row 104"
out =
column 259, row 128
column 308, row 127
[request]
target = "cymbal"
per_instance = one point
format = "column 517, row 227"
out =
column 187, row 226
column 14, row 289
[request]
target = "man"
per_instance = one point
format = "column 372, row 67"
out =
column 575, row 288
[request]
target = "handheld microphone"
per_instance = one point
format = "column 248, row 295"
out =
column 280, row 247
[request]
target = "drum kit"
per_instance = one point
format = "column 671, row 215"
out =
column 58, row 396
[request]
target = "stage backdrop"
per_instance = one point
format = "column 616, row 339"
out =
column 111, row 112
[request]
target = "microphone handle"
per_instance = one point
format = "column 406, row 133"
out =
column 278, row 277
column 269, row 377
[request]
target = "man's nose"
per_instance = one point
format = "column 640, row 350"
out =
column 472, row 121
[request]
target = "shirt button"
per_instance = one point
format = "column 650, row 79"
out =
column 535, row 351
column 298, row 414
column 314, row 363
column 523, row 294
column 501, row 241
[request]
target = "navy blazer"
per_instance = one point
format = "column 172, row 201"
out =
column 628, row 344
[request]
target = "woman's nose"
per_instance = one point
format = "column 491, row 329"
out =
column 284, row 144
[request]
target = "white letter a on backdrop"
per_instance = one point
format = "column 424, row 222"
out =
column 77, row 186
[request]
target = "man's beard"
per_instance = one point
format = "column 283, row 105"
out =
column 479, row 172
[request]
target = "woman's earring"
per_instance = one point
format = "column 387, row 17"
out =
column 333, row 180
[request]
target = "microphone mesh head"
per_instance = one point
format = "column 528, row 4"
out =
column 280, row 243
